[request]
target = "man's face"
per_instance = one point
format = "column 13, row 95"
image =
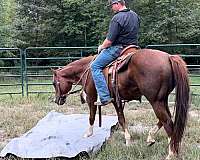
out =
column 115, row 7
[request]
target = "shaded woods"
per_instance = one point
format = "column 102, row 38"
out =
column 84, row 22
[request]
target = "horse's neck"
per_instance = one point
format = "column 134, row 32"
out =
column 75, row 70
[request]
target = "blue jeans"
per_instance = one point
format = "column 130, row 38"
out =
column 105, row 57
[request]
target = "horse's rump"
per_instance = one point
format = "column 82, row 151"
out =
column 147, row 71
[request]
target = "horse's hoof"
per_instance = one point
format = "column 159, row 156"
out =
column 169, row 157
column 87, row 135
column 150, row 143
column 129, row 142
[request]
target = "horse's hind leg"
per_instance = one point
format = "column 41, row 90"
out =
column 152, row 133
column 163, row 114
column 122, row 122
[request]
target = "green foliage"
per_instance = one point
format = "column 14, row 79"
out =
column 85, row 22
column 61, row 23
column 7, row 10
column 169, row 21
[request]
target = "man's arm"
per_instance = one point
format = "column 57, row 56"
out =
column 106, row 43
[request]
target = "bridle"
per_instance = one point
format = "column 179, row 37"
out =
column 64, row 96
column 61, row 97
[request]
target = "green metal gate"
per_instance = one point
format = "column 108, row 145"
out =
column 34, row 70
column 11, row 68
column 32, row 67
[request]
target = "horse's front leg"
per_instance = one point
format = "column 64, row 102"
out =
column 122, row 122
column 92, row 111
column 152, row 133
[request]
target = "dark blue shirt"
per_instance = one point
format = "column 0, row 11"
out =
column 124, row 28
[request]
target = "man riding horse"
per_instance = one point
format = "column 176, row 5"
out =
column 150, row 73
column 123, row 31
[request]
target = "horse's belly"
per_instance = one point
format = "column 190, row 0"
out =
column 129, row 94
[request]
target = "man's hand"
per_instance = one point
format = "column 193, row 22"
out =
column 106, row 43
column 100, row 48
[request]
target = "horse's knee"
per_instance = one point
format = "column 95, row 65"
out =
column 92, row 119
column 93, row 110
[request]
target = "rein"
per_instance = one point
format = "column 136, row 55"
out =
column 78, row 90
column 63, row 96
column 86, row 71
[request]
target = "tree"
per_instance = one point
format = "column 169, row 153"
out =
column 169, row 21
column 85, row 22
column 7, row 10
column 60, row 23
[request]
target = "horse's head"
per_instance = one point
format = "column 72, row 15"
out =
column 62, row 86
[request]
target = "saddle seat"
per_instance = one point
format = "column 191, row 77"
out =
column 121, row 63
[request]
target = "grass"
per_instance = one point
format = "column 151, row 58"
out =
column 19, row 114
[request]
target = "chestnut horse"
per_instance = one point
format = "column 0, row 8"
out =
column 151, row 73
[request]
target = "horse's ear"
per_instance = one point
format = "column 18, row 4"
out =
column 53, row 71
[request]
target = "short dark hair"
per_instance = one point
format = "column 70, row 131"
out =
column 122, row 2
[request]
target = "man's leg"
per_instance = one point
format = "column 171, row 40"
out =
column 102, row 60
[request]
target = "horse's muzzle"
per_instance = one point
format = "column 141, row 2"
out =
column 60, row 100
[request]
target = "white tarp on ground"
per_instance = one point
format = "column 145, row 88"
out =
column 59, row 135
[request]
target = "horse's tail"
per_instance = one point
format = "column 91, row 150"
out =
column 182, row 100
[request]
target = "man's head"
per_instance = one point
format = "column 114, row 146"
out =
column 117, row 1
column 117, row 5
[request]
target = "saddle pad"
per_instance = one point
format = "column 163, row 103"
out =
column 59, row 135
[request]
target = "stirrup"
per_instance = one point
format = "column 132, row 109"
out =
column 99, row 103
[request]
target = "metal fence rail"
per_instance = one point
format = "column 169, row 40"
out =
column 19, row 68
column 29, row 70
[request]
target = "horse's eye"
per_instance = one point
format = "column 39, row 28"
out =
column 54, row 83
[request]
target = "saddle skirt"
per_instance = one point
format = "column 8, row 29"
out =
column 121, row 63
column 117, row 66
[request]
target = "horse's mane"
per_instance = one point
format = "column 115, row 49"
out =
column 75, row 67
column 82, row 61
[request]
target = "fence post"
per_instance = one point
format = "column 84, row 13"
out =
column 25, row 70
column 22, row 69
